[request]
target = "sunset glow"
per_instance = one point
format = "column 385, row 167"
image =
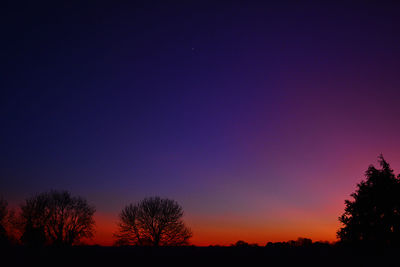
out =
column 258, row 119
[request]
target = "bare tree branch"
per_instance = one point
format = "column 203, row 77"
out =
column 153, row 222
column 58, row 218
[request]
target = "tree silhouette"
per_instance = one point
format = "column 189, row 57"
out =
column 244, row 244
column 3, row 214
column 153, row 222
column 373, row 216
column 56, row 218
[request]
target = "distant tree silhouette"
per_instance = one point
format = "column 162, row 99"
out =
column 373, row 216
column 241, row 243
column 300, row 242
column 244, row 244
column 56, row 218
column 153, row 222
column 3, row 215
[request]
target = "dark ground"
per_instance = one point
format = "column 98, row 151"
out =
column 200, row 256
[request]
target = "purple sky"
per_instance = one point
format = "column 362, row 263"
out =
column 258, row 119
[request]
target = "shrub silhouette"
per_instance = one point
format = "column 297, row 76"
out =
column 153, row 222
column 56, row 218
column 373, row 216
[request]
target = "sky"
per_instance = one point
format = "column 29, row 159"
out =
column 258, row 118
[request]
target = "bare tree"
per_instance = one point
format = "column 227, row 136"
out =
column 56, row 218
column 153, row 222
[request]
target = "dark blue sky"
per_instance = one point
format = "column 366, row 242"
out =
column 235, row 109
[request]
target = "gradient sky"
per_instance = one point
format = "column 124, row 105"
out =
column 258, row 119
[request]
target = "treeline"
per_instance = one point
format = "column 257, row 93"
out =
column 299, row 242
column 57, row 218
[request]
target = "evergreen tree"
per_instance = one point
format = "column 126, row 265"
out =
column 373, row 216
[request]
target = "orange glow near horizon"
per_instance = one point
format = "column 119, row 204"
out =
column 228, row 230
column 259, row 120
